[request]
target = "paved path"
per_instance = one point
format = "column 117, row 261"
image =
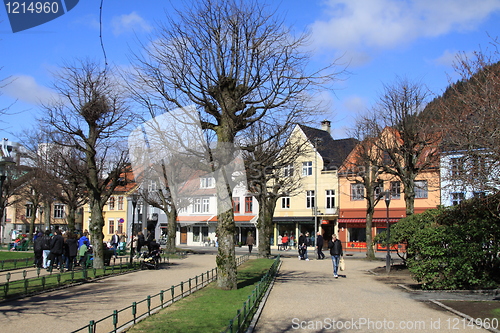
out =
column 307, row 298
column 68, row 309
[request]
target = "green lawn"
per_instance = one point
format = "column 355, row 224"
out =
column 210, row 309
column 7, row 255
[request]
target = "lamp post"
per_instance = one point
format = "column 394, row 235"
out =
column 388, row 257
column 316, row 141
column 135, row 198
column 6, row 159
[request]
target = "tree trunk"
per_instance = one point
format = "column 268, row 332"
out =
column 97, row 239
column 265, row 225
column 370, row 253
column 172, row 229
column 71, row 218
column 226, row 256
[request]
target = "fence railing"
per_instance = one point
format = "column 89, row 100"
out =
column 9, row 264
column 19, row 283
column 243, row 315
column 137, row 311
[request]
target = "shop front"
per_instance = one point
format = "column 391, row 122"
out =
column 352, row 232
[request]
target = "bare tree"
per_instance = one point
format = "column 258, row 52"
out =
column 270, row 162
column 362, row 166
column 407, row 140
column 91, row 117
column 470, row 112
column 238, row 65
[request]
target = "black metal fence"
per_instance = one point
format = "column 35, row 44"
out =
column 243, row 316
column 137, row 311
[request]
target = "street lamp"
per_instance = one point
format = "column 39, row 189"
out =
column 135, row 198
column 316, row 141
column 6, row 159
column 388, row 257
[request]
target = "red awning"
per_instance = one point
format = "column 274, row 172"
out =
column 391, row 220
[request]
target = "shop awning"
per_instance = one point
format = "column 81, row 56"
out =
column 293, row 219
column 377, row 220
column 189, row 220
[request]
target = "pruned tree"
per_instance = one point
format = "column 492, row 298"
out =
column 407, row 139
column 271, row 172
column 238, row 65
column 362, row 166
column 92, row 117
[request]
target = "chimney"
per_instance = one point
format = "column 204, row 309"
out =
column 325, row 126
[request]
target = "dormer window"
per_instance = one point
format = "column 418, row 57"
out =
column 207, row 182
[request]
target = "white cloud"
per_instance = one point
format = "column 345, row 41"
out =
column 449, row 58
column 381, row 24
column 129, row 23
column 26, row 89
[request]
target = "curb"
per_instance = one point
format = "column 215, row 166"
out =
column 471, row 321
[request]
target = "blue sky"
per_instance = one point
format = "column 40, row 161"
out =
column 379, row 39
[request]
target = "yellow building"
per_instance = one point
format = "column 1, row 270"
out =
column 315, row 207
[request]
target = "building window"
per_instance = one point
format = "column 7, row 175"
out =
column 357, row 191
column 457, row 166
column 285, row 202
column 457, row 198
column 307, row 168
column 207, row 182
column 112, row 203
column 58, row 211
column 248, row 204
column 396, row 190
column 120, row 228
column 200, row 234
column 236, row 205
column 120, row 203
column 288, row 170
column 330, row 199
column 29, row 210
column 152, row 186
column 379, row 188
column 310, row 199
column 205, row 205
column 421, row 191
column 111, row 227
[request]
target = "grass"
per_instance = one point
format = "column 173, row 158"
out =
column 7, row 255
column 477, row 309
column 210, row 309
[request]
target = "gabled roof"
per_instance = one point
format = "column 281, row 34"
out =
column 333, row 152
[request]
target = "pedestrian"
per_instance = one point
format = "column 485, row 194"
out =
column 336, row 252
column 280, row 242
column 319, row 246
column 83, row 253
column 84, row 239
column 71, row 250
column 140, row 242
column 284, row 241
column 115, row 241
column 303, row 244
column 46, row 249
column 56, row 250
column 38, row 249
column 250, row 242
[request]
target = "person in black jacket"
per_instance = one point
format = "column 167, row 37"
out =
column 71, row 250
column 319, row 246
column 140, row 242
column 56, row 250
column 303, row 244
column 46, row 249
column 336, row 252
column 38, row 249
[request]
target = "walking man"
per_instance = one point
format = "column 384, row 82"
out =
column 336, row 252
column 319, row 246
column 250, row 243
column 115, row 241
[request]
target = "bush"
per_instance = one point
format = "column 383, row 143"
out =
column 456, row 247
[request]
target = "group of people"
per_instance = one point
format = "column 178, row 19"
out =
column 285, row 242
column 55, row 249
column 334, row 245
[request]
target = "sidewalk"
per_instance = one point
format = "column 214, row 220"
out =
column 307, row 298
column 68, row 309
